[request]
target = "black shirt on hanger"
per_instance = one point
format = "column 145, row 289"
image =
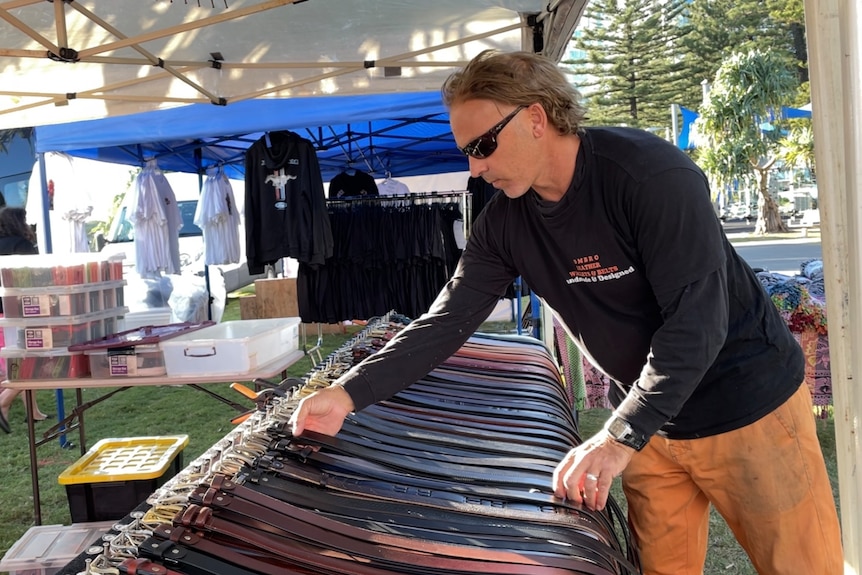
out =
column 352, row 183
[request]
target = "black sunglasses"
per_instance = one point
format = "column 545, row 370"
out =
column 484, row 145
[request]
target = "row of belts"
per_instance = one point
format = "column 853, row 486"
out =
column 451, row 476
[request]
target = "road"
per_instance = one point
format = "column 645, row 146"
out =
column 783, row 256
column 780, row 256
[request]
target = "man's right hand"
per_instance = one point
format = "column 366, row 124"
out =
column 323, row 411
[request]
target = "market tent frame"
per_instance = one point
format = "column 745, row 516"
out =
column 73, row 60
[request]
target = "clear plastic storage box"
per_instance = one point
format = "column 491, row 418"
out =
column 134, row 352
column 231, row 347
column 48, row 270
column 46, row 549
column 48, row 364
column 40, row 333
column 61, row 301
column 139, row 361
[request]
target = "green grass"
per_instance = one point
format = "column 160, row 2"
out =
column 166, row 410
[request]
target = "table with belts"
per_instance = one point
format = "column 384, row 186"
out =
column 75, row 420
column 451, row 476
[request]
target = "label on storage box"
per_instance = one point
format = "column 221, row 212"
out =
column 35, row 305
column 35, row 338
column 122, row 362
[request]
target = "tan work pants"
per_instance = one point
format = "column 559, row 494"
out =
column 769, row 482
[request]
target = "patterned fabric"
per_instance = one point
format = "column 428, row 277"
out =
column 573, row 373
column 597, row 385
column 817, row 374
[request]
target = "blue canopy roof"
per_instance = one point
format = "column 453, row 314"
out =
column 403, row 134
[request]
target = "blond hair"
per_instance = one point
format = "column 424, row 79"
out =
column 518, row 78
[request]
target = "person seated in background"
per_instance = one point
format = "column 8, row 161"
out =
column 16, row 237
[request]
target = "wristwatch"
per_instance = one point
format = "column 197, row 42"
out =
column 622, row 432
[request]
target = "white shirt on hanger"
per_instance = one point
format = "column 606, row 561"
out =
column 390, row 187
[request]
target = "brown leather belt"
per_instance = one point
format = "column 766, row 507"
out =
column 276, row 520
column 182, row 536
column 145, row 567
column 401, row 516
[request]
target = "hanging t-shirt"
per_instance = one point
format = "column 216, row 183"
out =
column 390, row 187
column 69, row 205
column 352, row 183
column 217, row 216
column 157, row 220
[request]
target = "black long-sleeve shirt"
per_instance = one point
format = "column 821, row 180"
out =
column 634, row 263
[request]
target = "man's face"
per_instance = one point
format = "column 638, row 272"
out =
column 494, row 137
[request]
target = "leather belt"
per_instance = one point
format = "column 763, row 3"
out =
column 187, row 560
column 444, row 441
column 410, row 465
column 307, row 526
column 436, row 422
column 145, row 567
column 222, row 549
column 361, row 445
column 450, row 477
column 419, row 522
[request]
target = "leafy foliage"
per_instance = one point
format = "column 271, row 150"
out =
column 718, row 28
column 629, row 71
column 740, row 125
column 6, row 136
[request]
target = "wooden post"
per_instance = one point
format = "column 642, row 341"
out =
column 835, row 60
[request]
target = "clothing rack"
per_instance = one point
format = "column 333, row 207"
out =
column 463, row 197
column 389, row 252
column 424, row 197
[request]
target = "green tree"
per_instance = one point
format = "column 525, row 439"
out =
column 791, row 15
column 629, row 72
column 740, row 127
column 718, row 28
column 6, row 136
column 797, row 147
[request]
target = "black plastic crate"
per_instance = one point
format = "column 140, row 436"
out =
column 115, row 499
column 116, row 475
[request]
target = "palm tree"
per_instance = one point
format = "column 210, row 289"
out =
column 6, row 136
column 797, row 148
column 741, row 126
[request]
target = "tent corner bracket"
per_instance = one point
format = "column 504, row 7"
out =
column 68, row 55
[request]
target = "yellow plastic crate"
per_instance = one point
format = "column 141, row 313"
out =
column 116, row 475
column 125, row 459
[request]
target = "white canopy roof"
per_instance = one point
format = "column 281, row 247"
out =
column 68, row 60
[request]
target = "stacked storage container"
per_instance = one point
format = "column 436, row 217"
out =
column 51, row 302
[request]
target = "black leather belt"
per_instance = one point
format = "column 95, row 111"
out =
column 187, row 560
column 296, row 524
column 416, row 521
